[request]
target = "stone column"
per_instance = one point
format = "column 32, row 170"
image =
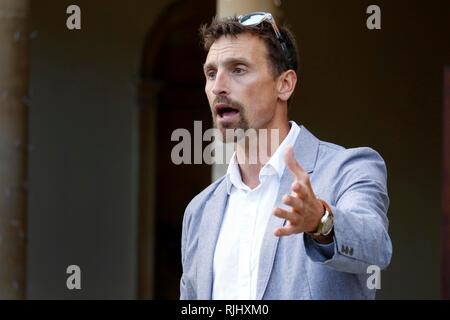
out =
column 14, row 73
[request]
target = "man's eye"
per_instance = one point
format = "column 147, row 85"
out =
column 238, row 70
column 211, row 74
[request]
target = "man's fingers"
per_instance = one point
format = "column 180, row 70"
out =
column 285, row 231
column 300, row 189
column 292, row 164
column 284, row 214
column 294, row 202
column 299, row 200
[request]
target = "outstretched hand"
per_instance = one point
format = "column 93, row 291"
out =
column 306, row 210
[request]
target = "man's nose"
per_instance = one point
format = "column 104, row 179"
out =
column 220, row 87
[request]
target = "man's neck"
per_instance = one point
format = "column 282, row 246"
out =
column 255, row 152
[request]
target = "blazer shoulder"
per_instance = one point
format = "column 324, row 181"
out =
column 362, row 158
column 351, row 164
column 348, row 155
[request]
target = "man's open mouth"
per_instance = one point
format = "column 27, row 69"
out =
column 224, row 110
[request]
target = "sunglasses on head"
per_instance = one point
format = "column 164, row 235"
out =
column 255, row 18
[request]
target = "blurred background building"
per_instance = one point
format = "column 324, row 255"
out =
column 86, row 118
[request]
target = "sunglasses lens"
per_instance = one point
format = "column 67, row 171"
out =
column 255, row 18
column 252, row 19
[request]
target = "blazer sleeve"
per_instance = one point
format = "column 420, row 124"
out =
column 185, row 291
column 359, row 203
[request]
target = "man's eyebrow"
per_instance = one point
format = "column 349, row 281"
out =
column 234, row 61
column 208, row 66
column 227, row 62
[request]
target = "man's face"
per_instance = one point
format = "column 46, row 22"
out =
column 240, row 86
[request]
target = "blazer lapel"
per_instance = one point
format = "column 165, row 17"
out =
column 305, row 150
column 213, row 213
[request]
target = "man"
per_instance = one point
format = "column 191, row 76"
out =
column 307, row 223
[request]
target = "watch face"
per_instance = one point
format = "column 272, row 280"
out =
column 327, row 225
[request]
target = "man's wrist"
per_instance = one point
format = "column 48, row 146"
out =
column 323, row 239
column 320, row 235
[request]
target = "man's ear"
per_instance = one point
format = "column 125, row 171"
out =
column 286, row 84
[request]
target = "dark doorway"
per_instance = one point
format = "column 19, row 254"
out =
column 173, row 58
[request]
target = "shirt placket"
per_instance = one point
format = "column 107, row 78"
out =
column 247, row 214
column 254, row 231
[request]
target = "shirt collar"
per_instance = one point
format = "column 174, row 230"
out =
column 277, row 160
column 234, row 175
column 275, row 165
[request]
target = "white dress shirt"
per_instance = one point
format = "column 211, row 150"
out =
column 236, row 257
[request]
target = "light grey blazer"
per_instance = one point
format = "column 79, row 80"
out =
column 352, row 181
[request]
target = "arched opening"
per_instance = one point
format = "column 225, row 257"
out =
column 172, row 97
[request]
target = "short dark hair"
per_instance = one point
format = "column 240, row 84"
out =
column 232, row 27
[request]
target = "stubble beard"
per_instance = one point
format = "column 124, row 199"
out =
column 229, row 129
